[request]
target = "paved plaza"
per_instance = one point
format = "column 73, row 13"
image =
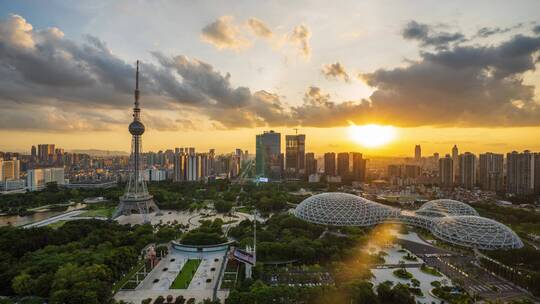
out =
column 159, row 280
column 191, row 219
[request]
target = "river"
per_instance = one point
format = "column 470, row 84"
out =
column 15, row 220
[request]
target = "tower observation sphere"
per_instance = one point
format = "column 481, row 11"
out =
column 136, row 128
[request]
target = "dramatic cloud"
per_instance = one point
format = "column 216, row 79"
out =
column 300, row 36
column 259, row 28
column 335, row 71
column 53, row 83
column 427, row 36
column 318, row 110
column 224, row 34
column 467, row 86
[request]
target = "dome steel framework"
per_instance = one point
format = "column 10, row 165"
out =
column 342, row 209
column 446, row 207
column 476, row 231
column 449, row 220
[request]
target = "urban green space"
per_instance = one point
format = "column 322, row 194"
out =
column 131, row 276
column 325, row 263
column 185, row 276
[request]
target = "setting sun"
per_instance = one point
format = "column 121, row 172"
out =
column 372, row 135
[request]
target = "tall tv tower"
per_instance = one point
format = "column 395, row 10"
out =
column 136, row 199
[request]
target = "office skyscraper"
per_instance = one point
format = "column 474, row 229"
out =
column 491, row 171
column 417, row 153
column 446, row 172
column 268, row 157
column 343, row 165
column 136, row 197
column 467, row 170
column 330, row 163
column 295, row 150
column 520, row 169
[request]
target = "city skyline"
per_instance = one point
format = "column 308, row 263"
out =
column 246, row 152
column 206, row 84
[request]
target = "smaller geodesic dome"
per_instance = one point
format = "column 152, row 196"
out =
column 446, row 207
column 475, row 231
column 342, row 209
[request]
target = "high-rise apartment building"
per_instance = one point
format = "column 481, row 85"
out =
column 455, row 160
column 45, row 152
column 343, row 164
column 179, row 165
column 358, row 167
column 295, row 150
column 446, row 172
column 330, row 164
column 311, row 164
column 467, row 170
column 520, row 170
column 491, row 171
column 417, row 153
column 537, row 173
column 9, row 169
column 37, row 179
column 268, row 157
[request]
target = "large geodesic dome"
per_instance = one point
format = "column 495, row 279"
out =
column 449, row 220
column 475, row 231
column 446, row 207
column 342, row 209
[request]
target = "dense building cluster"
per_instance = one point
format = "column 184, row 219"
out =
column 449, row 220
column 516, row 174
column 271, row 163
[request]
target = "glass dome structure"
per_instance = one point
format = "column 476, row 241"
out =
column 449, row 220
column 342, row 209
column 446, row 207
column 475, row 231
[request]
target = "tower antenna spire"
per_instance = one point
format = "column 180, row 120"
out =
column 136, row 198
column 137, row 92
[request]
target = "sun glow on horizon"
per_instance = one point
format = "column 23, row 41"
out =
column 372, row 135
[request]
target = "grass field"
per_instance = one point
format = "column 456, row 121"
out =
column 105, row 212
column 128, row 276
column 186, row 274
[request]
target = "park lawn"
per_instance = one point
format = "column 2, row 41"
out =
column 128, row 276
column 430, row 270
column 104, row 212
column 186, row 274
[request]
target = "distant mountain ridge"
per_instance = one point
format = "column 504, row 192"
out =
column 96, row 152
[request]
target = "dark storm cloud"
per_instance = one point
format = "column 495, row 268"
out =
column 428, row 36
column 536, row 29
